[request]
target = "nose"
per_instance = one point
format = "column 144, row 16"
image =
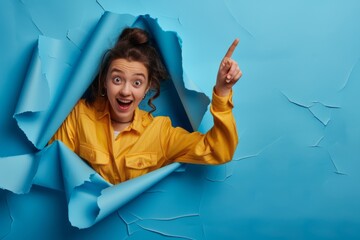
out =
column 125, row 89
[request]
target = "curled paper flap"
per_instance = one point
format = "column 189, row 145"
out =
column 47, row 75
column 17, row 172
column 169, row 45
column 34, row 83
column 90, row 197
column 126, row 191
column 75, row 171
column 49, row 172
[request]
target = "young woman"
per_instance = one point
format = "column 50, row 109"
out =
column 120, row 141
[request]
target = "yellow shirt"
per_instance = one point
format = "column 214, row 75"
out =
column 148, row 143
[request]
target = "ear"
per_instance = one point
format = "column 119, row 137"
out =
column 147, row 89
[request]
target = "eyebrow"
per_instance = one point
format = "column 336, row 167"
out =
column 116, row 70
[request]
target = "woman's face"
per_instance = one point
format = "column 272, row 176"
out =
column 126, row 85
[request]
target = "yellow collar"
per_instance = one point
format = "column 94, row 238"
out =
column 141, row 118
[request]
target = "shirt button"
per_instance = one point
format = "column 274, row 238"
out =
column 140, row 164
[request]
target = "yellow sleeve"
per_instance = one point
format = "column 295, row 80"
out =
column 217, row 146
column 67, row 131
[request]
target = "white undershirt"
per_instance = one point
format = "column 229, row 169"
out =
column 116, row 133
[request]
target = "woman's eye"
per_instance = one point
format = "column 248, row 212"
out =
column 137, row 83
column 117, row 80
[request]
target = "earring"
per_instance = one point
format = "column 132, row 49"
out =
column 145, row 96
column 103, row 92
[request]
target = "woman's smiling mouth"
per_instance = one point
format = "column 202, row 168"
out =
column 124, row 104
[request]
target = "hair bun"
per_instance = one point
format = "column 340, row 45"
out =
column 135, row 36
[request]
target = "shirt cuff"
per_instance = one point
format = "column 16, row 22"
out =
column 222, row 104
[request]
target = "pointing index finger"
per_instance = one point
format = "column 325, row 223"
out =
column 232, row 48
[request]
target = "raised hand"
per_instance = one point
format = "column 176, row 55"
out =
column 229, row 72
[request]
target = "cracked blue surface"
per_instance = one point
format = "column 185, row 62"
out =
column 295, row 174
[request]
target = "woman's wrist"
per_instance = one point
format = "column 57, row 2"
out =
column 221, row 91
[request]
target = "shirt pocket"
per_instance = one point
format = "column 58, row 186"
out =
column 140, row 163
column 141, row 160
column 93, row 156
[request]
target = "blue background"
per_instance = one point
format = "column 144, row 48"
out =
column 296, row 172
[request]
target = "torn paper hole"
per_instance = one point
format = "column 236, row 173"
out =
column 65, row 72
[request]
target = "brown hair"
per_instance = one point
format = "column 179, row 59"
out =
column 133, row 45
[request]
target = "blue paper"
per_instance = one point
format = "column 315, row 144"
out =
column 295, row 173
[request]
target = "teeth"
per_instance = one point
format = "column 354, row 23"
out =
column 124, row 101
